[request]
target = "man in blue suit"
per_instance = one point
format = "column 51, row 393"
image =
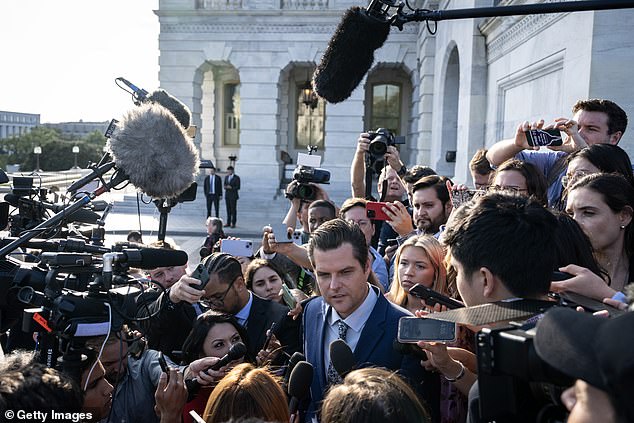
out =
column 353, row 310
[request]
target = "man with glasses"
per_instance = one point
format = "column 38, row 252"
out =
column 226, row 291
column 353, row 210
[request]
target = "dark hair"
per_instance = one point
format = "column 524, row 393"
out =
column 608, row 158
column 573, row 246
column 479, row 163
column 351, row 203
column 224, row 265
column 230, row 168
column 193, row 345
column 511, row 235
column 417, row 172
column 617, row 118
column 26, row 384
column 259, row 263
column 439, row 183
column 134, row 236
column 372, row 395
column 326, row 205
column 617, row 193
column 333, row 234
column 535, row 181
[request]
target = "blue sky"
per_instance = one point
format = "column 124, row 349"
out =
column 59, row 58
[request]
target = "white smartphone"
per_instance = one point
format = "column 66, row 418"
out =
column 414, row 329
column 280, row 230
column 237, row 247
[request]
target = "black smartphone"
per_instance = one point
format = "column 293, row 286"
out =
column 163, row 364
column 432, row 297
column 267, row 341
column 201, row 273
column 572, row 299
column 543, row 137
column 414, row 329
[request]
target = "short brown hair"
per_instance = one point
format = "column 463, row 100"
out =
column 479, row 163
column 351, row 203
column 617, row 118
column 439, row 183
column 333, row 234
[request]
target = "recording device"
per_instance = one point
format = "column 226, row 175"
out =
column 341, row 357
column 201, row 273
column 288, row 297
column 414, row 329
column 432, row 297
column 373, row 210
column 306, row 173
column 151, row 147
column 574, row 300
column 381, row 139
column 292, row 362
column 237, row 247
column 281, row 233
column 543, row 137
column 269, row 336
column 237, row 351
column 299, row 384
column 163, row 364
column 460, row 196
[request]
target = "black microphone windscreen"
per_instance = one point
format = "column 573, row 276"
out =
column 237, row 350
column 300, row 380
column 349, row 55
column 174, row 105
column 292, row 362
column 151, row 258
column 152, row 148
column 341, row 357
column 4, row 215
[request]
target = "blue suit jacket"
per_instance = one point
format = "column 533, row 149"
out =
column 374, row 349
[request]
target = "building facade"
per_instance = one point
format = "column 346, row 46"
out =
column 13, row 124
column 79, row 129
column 241, row 66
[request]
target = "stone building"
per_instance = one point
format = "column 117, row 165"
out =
column 241, row 66
column 14, row 124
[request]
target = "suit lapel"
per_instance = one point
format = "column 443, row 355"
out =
column 318, row 327
column 372, row 332
column 256, row 323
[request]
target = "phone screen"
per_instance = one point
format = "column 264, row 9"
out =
column 543, row 137
column 414, row 329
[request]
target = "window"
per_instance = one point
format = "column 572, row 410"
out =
column 386, row 107
column 231, row 114
column 310, row 123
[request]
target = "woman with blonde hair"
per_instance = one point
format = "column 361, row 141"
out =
column 247, row 391
column 419, row 260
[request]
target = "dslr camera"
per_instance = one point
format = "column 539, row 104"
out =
column 303, row 176
column 380, row 140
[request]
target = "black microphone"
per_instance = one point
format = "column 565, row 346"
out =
column 299, row 384
column 292, row 362
column 237, row 350
column 151, row 147
column 80, row 215
column 349, row 55
column 407, row 349
column 139, row 94
column 151, row 258
column 96, row 172
column 174, row 105
column 341, row 357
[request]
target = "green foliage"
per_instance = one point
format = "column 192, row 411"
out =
column 56, row 150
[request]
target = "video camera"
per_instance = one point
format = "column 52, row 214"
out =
column 307, row 173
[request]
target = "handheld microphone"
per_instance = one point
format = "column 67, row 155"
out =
column 349, row 55
column 139, row 94
column 341, row 357
column 151, row 147
column 292, row 362
column 299, row 384
column 237, row 350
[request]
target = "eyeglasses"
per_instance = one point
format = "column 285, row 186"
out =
column 507, row 188
column 217, row 301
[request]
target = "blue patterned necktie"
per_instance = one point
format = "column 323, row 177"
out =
column 332, row 375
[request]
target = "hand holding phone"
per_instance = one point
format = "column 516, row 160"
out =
column 543, row 137
column 414, row 329
column 201, row 273
column 288, row 297
column 432, row 297
column 237, row 247
column 374, row 211
column 163, row 364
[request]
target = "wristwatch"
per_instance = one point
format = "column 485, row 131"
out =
column 402, row 171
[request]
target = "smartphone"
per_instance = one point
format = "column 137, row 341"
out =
column 572, row 299
column 373, row 210
column 271, row 332
column 163, row 364
column 237, row 247
column 288, row 298
column 414, row 329
column 461, row 196
column 281, row 233
column 432, row 297
column 201, row 273
column 543, row 137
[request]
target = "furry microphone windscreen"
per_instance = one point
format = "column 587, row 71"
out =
column 349, row 55
column 152, row 148
column 174, row 105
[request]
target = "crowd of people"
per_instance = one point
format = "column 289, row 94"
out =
column 529, row 218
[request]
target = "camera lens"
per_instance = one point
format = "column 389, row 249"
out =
column 378, row 147
column 306, row 192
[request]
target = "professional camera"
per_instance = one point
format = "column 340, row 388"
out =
column 303, row 176
column 515, row 384
column 381, row 139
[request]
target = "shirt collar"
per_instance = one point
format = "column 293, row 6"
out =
column 243, row 314
column 357, row 319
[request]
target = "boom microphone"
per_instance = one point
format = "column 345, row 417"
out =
column 152, row 148
column 349, row 55
column 174, row 105
column 80, row 215
column 341, row 357
column 299, row 384
column 151, row 258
